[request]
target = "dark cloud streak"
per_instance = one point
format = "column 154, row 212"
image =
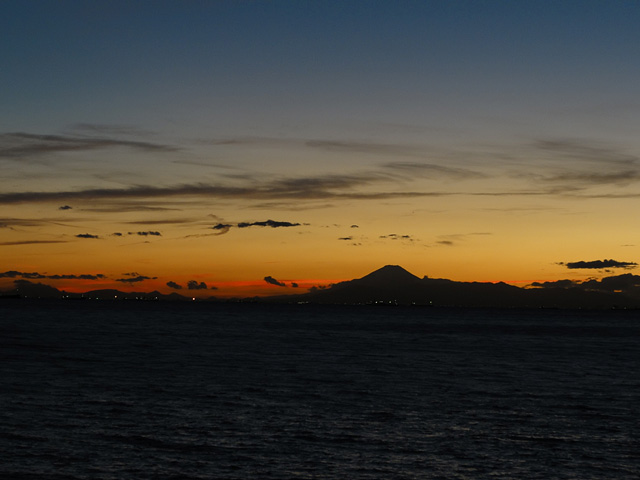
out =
column 145, row 234
column 19, row 144
column 101, row 129
column 432, row 170
column 272, row 281
column 386, row 182
column 194, row 285
column 32, row 242
column 306, row 188
column 221, row 228
column 36, row 275
column 134, row 279
column 598, row 264
column 267, row 223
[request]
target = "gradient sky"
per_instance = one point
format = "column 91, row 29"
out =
column 226, row 142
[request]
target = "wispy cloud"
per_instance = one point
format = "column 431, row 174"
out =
column 31, row 242
column 134, row 277
column 174, row 285
column 453, row 239
column 87, row 235
column 205, row 164
column 120, row 208
column 167, row 221
column 585, row 151
column 111, row 130
column 431, row 170
column 28, row 145
column 581, row 180
column 318, row 188
column 577, row 165
column 29, row 222
column 372, row 148
column 571, row 170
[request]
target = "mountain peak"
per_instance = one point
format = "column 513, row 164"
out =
column 390, row 274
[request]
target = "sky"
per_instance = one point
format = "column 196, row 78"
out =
column 239, row 148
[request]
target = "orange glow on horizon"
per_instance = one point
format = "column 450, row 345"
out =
column 224, row 289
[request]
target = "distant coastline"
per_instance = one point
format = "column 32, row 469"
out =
column 390, row 285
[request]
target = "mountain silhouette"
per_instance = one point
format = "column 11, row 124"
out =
column 393, row 285
column 390, row 284
column 389, row 275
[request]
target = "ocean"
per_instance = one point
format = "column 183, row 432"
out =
column 153, row 390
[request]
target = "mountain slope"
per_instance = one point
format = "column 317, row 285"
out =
column 388, row 275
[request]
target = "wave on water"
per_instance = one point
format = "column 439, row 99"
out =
column 105, row 391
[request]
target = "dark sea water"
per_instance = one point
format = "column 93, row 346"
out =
column 93, row 390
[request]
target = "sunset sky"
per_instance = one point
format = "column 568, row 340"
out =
column 155, row 145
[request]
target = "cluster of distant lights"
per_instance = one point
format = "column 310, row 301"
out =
column 115, row 297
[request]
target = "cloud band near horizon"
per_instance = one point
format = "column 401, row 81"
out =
column 598, row 264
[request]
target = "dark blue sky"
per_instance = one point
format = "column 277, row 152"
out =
column 111, row 61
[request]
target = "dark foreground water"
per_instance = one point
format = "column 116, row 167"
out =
column 95, row 390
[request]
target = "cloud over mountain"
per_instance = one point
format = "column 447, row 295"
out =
column 625, row 283
column 557, row 284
